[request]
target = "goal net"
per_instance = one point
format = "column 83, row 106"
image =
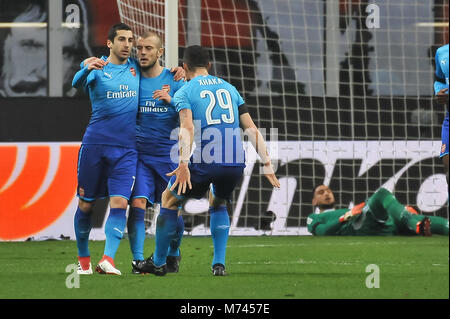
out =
column 142, row 15
column 348, row 86
column 159, row 16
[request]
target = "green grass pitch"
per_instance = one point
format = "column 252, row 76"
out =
column 259, row 268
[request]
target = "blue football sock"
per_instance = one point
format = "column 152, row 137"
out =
column 219, row 226
column 114, row 228
column 82, row 225
column 166, row 228
column 136, row 232
column 174, row 247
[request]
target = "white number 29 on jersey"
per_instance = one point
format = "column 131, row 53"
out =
column 223, row 98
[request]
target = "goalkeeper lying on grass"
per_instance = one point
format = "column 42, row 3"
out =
column 382, row 214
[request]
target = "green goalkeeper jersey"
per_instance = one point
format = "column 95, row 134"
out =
column 327, row 223
column 382, row 214
column 366, row 224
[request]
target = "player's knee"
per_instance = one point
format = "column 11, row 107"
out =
column 139, row 203
column 118, row 202
column 216, row 201
column 85, row 206
column 382, row 192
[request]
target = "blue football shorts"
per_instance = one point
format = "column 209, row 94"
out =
column 444, row 135
column 105, row 171
column 151, row 179
column 224, row 180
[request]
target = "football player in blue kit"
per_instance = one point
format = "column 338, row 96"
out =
column 441, row 92
column 157, row 119
column 107, row 157
column 217, row 162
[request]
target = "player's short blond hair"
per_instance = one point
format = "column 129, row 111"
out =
column 149, row 33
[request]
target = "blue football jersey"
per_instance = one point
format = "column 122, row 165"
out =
column 156, row 119
column 441, row 60
column 215, row 111
column 113, row 92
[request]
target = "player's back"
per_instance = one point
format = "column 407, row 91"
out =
column 215, row 110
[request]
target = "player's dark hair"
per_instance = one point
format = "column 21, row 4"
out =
column 196, row 56
column 118, row 26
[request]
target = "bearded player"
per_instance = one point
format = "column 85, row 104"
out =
column 157, row 119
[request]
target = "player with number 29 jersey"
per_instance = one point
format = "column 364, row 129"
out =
column 220, row 136
column 212, row 109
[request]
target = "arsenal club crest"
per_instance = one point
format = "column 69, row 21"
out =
column 133, row 71
column 166, row 87
column 81, row 191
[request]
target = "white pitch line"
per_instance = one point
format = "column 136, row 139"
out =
column 319, row 244
column 315, row 262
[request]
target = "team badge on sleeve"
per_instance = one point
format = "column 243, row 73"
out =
column 81, row 191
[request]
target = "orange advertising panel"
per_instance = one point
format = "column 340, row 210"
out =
column 37, row 184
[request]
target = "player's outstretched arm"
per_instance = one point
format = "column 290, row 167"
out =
column 79, row 79
column 89, row 64
column 259, row 144
column 185, row 140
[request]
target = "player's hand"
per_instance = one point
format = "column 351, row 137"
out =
column 162, row 95
column 270, row 174
column 89, row 60
column 442, row 96
column 95, row 63
column 356, row 210
column 411, row 210
column 346, row 216
column 179, row 73
column 183, row 179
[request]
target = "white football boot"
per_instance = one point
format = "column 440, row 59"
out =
column 81, row 271
column 105, row 267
